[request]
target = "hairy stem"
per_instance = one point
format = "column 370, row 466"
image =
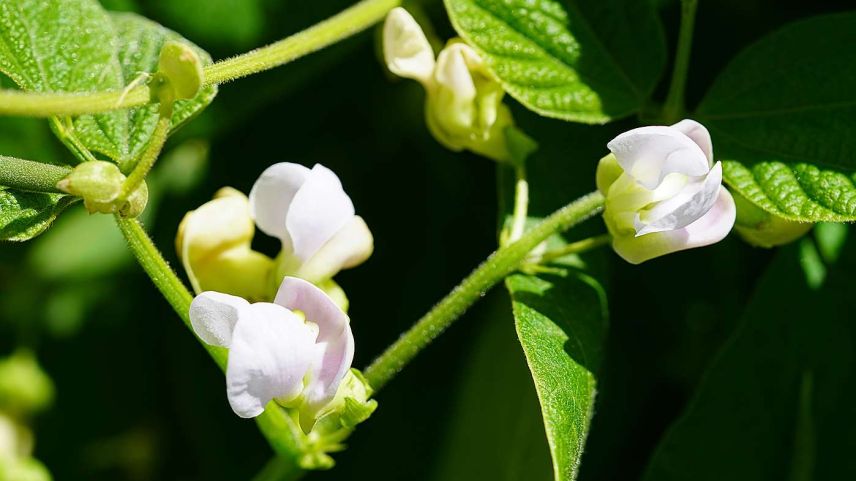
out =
column 500, row 264
column 149, row 157
column 673, row 109
column 31, row 104
column 29, row 175
column 340, row 26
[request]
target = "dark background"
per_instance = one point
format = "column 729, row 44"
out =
column 138, row 399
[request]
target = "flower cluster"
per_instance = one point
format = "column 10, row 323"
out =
column 296, row 350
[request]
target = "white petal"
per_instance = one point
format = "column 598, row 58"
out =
column 457, row 92
column 649, row 154
column 272, row 349
column 213, row 316
column 709, row 229
column 405, row 48
column 335, row 340
column 699, row 134
column 684, row 208
column 351, row 246
column 272, row 196
column 318, row 211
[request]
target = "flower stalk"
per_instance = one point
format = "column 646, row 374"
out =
column 673, row 109
column 499, row 265
column 31, row 104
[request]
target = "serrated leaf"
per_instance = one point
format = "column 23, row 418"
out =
column 75, row 46
column 24, row 215
column 781, row 115
column 561, row 323
column 582, row 61
column 776, row 403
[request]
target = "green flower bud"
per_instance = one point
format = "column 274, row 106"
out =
column 179, row 76
column 98, row 183
column 24, row 387
column 136, row 203
column 763, row 229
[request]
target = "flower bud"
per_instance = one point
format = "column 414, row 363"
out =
column 136, row 202
column 213, row 243
column 463, row 105
column 763, row 229
column 179, row 76
column 98, row 183
column 663, row 192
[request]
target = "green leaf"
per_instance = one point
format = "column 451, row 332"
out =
column 777, row 403
column 581, row 61
column 24, row 215
column 495, row 429
column 781, row 115
column 75, row 46
column 561, row 323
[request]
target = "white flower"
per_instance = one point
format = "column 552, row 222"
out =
column 663, row 192
column 311, row 214
column 464, row 108
column 295, row 350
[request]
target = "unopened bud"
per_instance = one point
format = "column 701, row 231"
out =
column 180, row 75
column 763, row 229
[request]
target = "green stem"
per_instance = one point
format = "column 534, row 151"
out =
column 673, row 109
column 32, row 176
column 150, row 155
column 31, row 104
column 342, row 25
column 499, row 265
column 521, row 205
column 163, row 277
column 273, row 423
column 280, row 469
column 576, row 248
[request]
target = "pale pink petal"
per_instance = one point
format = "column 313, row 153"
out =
column 684, row 208
column 349, row 247
column 213, row 316
column 649, row 154
column 272, row 350
column 699, row 134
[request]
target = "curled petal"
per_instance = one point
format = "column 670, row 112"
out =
column 405, row 48
column 335, row 343
column 649, row 154
column 456, row 94
column 608, row 171
column 349, row 247
column 709, row 229
column 685, row 207
column 213, row 316
column 272, row 196
column 318, row 210
column 272, row 350
column 699, row 134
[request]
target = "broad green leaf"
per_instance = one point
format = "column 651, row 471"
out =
column 75, row 46
column 777, row 403
column 561, row 323
column 781, row 115
column 495, row 429
column 24, row 215
column 581, row 61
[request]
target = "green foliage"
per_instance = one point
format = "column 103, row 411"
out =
column 99, row 52
column 777, row 402
column 588, row 62
column 781, row 115
column 561, row 322
column 24, row 215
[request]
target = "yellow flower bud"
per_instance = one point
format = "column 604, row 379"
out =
column 213, row 243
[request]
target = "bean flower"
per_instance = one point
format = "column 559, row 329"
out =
column 295, row 350
column 463, row 107
column 313, row 217
column 663, row 191
column 307, row 209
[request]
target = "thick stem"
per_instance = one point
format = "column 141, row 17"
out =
column 673, row 109
column 521, row 205
column 342, row 25
column 280, row 469
column 32, row 176
column 31, row 104
column 500, row 264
